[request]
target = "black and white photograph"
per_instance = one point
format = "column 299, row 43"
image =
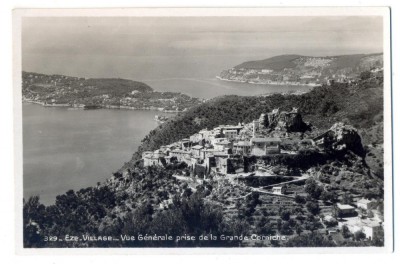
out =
column 260, row 128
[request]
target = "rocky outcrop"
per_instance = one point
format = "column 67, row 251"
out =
column 341, row 137
column 288, row 121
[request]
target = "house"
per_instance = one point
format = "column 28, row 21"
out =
column 222, row 145
column 155, row 158
column 221, row 163
column 265, row 146
column 196, row 138
column 238, row 127
column 230, row 134
column 330, row 82
column 345, row 209
column 185, row 143
column 196, row 150
column 256, row 126
column 242, row 147
column 365, row 204
column 279, row 190
column 205, row 134
column 165, row 150
column 266, row 71
column 369, row 227
column 181, row 155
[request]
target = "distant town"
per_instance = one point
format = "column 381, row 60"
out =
column 82, row 93
column 303, row 70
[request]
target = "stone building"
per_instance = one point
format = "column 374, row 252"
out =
column 265, row 146
column 155, row 158
column 242, row 148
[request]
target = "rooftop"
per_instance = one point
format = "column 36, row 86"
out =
column 224, row 142
column 364, row 201
column 230, row 130
column 231, row 127
column 242, row 143
column 197, row 147
column 344, row 206
column 267, row 139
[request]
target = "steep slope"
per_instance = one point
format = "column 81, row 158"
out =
column 359, row 104
column 276, row 63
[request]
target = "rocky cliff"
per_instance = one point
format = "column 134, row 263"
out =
column 287, row 121
column 341, row 137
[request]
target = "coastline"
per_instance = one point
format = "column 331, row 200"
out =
column 84, row 107
column 269, row 83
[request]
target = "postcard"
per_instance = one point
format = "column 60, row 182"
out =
column 247, row 130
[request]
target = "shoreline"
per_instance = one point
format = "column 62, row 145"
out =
column 269, row 83
column 83, row 107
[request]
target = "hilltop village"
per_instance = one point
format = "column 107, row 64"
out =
column 214, row 151
column 273, row 160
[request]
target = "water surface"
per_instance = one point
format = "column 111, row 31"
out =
column 71, row 149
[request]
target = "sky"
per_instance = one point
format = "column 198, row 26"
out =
column 95, row 46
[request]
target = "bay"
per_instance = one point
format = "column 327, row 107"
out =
column 73, row 149
column 208, row 88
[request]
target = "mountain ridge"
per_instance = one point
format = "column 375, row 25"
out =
column 290, row 57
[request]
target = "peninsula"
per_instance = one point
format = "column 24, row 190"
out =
column 75, row 92
column 304, row 70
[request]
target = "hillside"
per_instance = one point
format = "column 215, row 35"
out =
column 303, row 70
column 117, row 86
column 276, row 63
column 152, row 205
column 60, row 90
column 359, row 104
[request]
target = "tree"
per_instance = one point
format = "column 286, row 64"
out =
column 365, row 75
column 359, row 235
column 33, row 220
column 345, row 231
column 347, row 198
column 264, row 226
column 285, row 215
column 299, row 199
column 312, row 207
column 310, row 240
column 379, row 238
column 285, row 229
column 328, row 196
column 313, row 189
column 299, row 230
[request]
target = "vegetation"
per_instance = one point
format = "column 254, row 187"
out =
column 310, row 240
column 99, row 92
column 276, row 63
column 359, row 104
column 138, row 201
column 102, row 212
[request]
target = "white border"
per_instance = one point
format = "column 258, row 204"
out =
column 142, row 12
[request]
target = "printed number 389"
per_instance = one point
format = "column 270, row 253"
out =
column 50, row 238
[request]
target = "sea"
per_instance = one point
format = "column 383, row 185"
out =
column 66, row 149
